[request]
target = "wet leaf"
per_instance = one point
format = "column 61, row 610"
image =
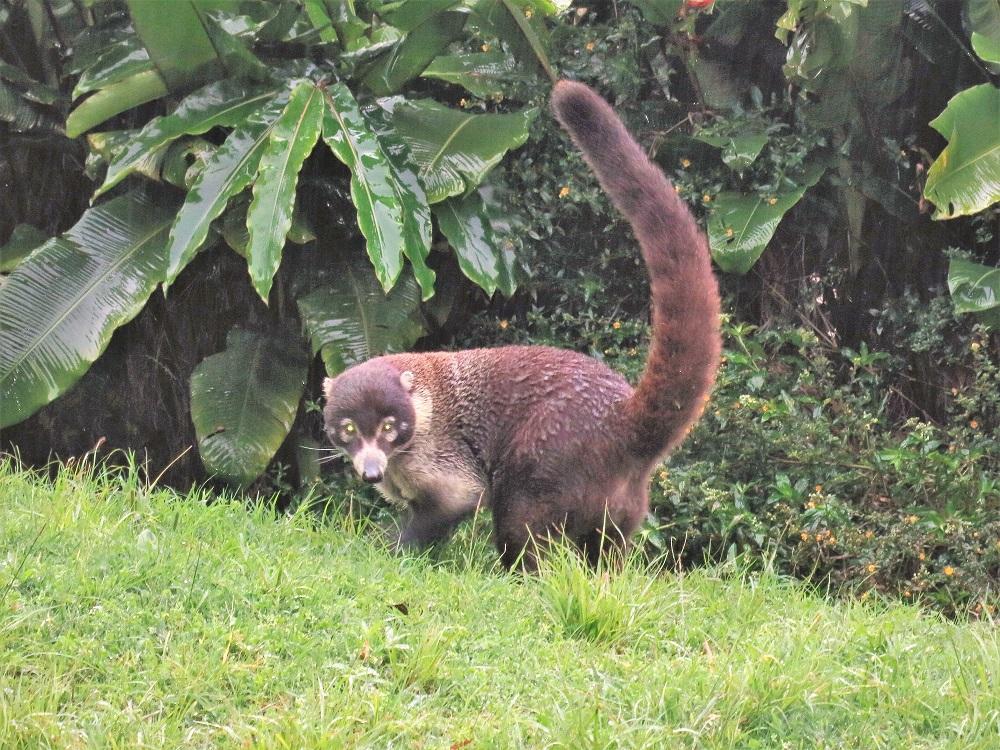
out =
column 227, row 172
column 269, row 218
column 392, row 208
column 975, row 288
column 740, row 226
column 227, row 102
column 408, row 57
column 243, row 402
column 467, row 226
column 124, row 58
column 61, row 305
column 353, row 320
column 738, row 151
column 481, row 73
column 965, row 178
column 455, row 150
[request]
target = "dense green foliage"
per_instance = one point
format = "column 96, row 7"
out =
column 131, row 617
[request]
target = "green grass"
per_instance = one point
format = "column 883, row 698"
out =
column 132, row 617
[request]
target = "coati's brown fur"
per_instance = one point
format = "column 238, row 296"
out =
column 553, row 442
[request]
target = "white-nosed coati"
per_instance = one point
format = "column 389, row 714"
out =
column 553, row 442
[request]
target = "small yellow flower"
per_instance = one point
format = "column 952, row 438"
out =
column 564, row 191
column 685, row 163
column 912, row 519
column 463, row 103
column 528, row 12
column 804, row 536
column 833, row 539
column 706, row 198
column 907, row 594
column 729, row 232
column 921, row 556
column 589, row 46
column 811, row 504
column 678, row 189
column 869, row 534
column 871, row 568
column 818, row 488
column 949, row 571
column 974, row 346
column 504, row 324
column 663, row 475
column 865, row 595
column 616, row 325
column 485, row 48
column 973, row 424
column 771, row 201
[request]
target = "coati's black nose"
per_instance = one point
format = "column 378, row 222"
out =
column 372, row 473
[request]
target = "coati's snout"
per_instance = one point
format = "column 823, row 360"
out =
column 369, row 415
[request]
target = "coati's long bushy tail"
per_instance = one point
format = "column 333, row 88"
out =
column 685, row 346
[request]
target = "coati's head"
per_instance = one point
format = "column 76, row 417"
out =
column 369, row 414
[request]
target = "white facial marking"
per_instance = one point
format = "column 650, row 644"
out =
column 369, row 452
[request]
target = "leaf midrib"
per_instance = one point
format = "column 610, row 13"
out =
column 79, row 298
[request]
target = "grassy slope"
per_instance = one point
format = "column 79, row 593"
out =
column 140, row 619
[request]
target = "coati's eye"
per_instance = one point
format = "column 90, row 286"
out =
column 348, row 430
column 388, row 428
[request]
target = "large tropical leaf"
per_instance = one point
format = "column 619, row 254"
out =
column 352, row 319
column 738, row 151
column 455, row 150
column 464, row 221
column 392, row 208
column 61, row 305
column 122, row 59
column 180, row 48
column 517, row 24
column 227, row 102
column 243, row 402
column 227, row 172
column 482, row 73
column 965, row 178
column 22, row 114
column 410, row 55
column 269, row 218
column 136, row 89
column 975, row 288
column 740, row 226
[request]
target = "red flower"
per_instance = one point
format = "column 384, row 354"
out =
column 698, row 4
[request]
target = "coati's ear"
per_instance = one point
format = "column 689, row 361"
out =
column 406, row 380
column 328, row 388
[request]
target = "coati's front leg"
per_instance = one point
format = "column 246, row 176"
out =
column 435, row 514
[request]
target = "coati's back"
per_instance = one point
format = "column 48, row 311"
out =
column 553, row 441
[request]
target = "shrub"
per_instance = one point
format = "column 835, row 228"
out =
column 805, row 457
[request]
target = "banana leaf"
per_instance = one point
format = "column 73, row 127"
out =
column 965, row 178
column 61, row 305
column 243, row 402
